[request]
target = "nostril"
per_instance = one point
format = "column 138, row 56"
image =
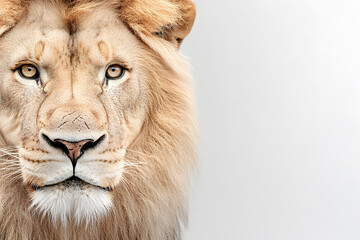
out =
column 54, row 143
column 73, row 150
column 93, row 144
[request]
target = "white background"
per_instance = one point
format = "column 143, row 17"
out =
column 278, row 91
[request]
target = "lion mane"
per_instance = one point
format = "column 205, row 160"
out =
column 151, row 200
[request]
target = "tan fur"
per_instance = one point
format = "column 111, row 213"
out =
column 104, row 49
column 150, row 115
column 39, row 49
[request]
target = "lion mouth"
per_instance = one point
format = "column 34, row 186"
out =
column 71, row 182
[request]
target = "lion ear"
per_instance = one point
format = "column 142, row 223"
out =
column 171, row 20
column 10, row 13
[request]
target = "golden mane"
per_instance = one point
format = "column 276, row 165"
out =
column 151, row 201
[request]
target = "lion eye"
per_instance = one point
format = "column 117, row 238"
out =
column 28, row 71
column 114, row 72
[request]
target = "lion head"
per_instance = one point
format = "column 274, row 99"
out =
column 96, row 119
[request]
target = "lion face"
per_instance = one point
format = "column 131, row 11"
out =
column 97, row 121
column 73, row 102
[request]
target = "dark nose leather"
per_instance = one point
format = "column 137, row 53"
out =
column 74, row 150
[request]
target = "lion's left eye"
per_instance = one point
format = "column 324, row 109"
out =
column 115, row 72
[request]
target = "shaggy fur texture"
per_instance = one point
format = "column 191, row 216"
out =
column 150, row 202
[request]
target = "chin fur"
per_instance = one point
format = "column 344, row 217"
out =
column 78, row 204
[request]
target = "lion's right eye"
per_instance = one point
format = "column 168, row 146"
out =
column 114, row 72
column 29, row 71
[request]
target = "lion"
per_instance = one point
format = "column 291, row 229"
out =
column 98, row 124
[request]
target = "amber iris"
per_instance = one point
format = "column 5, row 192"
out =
column 114, row 72
column 29, row 71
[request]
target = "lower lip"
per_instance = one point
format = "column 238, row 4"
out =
column 69, row 184
column 74, row 183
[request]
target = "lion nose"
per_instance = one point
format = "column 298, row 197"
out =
column 74, row 150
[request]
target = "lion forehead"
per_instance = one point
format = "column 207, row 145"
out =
column 58, row 33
